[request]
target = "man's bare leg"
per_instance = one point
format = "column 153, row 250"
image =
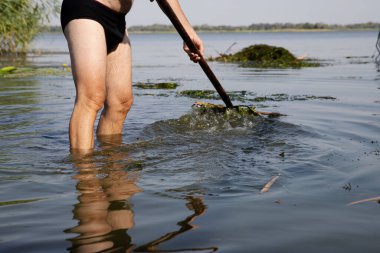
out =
column 88, row 54
column 119, row 96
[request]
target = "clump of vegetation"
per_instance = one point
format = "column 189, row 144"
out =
column 21, row 20
column 265, row 56
column 157, row 86
column 241, row 110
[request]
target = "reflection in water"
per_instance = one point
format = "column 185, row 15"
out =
column 104, row 212
column 194, row 204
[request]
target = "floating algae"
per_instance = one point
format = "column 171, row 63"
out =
column 157, row 86
column 199, row 94
column 22, row 72
column 286, row 97
column 244, row 96
column 241, row 96
column 265, row 56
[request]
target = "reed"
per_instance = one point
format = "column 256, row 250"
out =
column 21, row 20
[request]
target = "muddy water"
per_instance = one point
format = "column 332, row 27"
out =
column 183, row 181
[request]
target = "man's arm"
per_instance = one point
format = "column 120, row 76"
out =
column 193, row 35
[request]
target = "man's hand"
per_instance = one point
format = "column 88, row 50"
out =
column 199, row 44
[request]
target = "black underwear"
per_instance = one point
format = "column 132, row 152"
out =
column 113, row 22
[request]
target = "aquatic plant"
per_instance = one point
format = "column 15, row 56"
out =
column 208, row 107
column 199, row 94
column 241, row 110
column 244, row 96
column 240, row 96
column 7, row 70
column 157, row 86
column 21, row 20
column 265, row 56
column 22, row 72
column 286, row 97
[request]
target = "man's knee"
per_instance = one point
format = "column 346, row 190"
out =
column 121, row 105
column 127, row 105
column 93, row 100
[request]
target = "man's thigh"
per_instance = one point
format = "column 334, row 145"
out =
column 119, row 73
column 88, row 53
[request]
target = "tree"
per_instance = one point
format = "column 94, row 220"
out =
column 21, row 20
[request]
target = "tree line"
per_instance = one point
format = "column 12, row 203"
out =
column 162, row 28
column 260, row 27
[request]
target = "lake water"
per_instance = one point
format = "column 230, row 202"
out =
column 182, row 182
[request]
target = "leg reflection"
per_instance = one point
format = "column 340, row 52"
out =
column 103, row 213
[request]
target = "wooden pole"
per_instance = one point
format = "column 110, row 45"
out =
column 167, row 9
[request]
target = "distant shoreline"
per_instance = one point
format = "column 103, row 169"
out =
column 262, row 27
column 257, row 31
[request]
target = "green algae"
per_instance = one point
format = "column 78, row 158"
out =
column 246, row 97
column 237, row 110
column 23, row 72
column 265, row 56
column 198, row 94
column 286, row 97
column 153, row 95
column 240, row 96
column 157, row 86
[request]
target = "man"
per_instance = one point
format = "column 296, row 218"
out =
column 100, row 53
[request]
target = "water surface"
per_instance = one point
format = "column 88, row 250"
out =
column 180, row 181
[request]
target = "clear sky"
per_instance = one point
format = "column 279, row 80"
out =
column 246, row 12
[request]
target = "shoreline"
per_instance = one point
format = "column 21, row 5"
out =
column 261, row 31
column 238, row 31
column 253, row 28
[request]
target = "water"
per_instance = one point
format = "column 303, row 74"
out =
column 184, row 182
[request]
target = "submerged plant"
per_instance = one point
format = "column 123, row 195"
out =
column 265, row 56
column 21, row 20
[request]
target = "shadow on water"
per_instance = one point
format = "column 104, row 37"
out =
column 106, row 182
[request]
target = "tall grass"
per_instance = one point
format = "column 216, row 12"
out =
column 21, row 20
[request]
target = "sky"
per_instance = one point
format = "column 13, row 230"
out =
column 246, row 12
